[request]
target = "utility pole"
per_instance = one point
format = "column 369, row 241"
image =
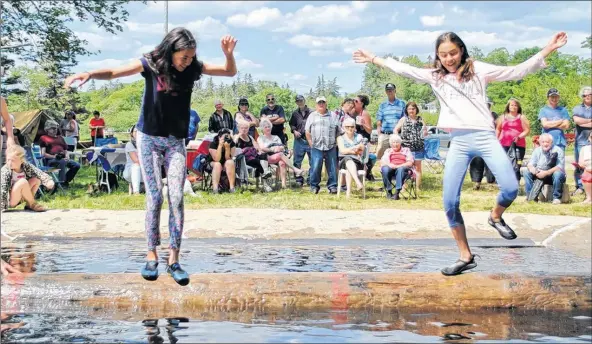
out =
column 166, row 17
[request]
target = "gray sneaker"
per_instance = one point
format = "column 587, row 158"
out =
column 232, row 190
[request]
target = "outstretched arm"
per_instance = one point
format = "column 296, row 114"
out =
column 517, row 72
column 229, row 69
column 419, row 74
column 132, row 68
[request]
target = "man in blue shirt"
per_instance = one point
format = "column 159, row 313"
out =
column 193, row 125
column 582, row 116
column 554, row 119
column 389, row 113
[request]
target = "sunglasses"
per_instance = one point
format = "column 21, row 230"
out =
column 321, row 102
column 349, row 126
column 271, row 99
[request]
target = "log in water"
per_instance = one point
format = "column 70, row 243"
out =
column 302, row 292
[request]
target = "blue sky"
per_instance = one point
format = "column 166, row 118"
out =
column 296, row 41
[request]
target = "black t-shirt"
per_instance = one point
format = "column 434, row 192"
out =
column 167, row 113
column 214, row 145
column 244, row 144
column 278, row 129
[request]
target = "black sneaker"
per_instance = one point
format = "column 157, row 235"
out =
column 396, row 196
column 315, row 190
column 458, row 267
column 150, row 271
column 502, row 228
column 179, row 275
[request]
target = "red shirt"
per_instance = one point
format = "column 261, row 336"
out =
column 96, row 123
column 53, row 145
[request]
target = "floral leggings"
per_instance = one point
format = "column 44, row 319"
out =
column 152, row 152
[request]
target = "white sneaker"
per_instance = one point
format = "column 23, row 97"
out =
column 556, row 201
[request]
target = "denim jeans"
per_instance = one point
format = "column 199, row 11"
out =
column 400, row 174
column 316, row 166
column 464, row 146
column 557, row 180
column 65, row 165
column 578, row 171
column 301, row 148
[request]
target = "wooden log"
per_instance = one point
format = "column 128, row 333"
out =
column 304, row 292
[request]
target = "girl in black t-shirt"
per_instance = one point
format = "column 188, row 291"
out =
column 170, row 71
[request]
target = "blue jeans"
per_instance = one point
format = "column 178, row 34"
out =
column 557, row 180
column 578, row 171
column 371, row 162
column 464, row 146
column 400, row 174
column 301, row 147
column 316, row 166
column 70, row 166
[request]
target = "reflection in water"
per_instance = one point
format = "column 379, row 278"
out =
column 309, row 327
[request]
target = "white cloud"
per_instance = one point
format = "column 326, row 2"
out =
column 295, row 77
column 144, row 49
column 561, row 13
column 152, row 28
column 203, row 8
column 432, row 20
column 106, row 63
column 327, row 18
column 104, row 42
column 343, row 65
column 321, row 52
column 246, row 63
column 256, row 18
column 203, row 29
column 207, row 28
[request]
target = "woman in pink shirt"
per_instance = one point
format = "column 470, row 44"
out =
column 460, row 83
column 395, row 163
column 511, row 127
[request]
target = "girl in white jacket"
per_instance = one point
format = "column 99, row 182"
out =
column 460, row 83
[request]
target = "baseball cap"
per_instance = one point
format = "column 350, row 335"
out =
column 217, row 102
column 552, row 92
column 390, row 86
column 299, row 97
column 50, row 124
column 319, row 99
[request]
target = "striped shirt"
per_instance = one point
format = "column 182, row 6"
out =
column 323, row 130
column 389, row 114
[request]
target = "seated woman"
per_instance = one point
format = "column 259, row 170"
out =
column 251, row 149
column 274, row 148
column 413, row 131
column 132, row 172
column 244, row 116
column 351, row 147
column 221, row 152
column 396, row 163
column 20, row 180
column 585, row 163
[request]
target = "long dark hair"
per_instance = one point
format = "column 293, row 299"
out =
column 507, row 109
column 132, row 139
column 364, row 100
column 160, row 60
column 465, row 71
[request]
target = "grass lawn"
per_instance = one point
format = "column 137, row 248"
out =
column 301, row 198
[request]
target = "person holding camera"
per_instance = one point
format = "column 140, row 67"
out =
column 53, row 150
column 222, row 150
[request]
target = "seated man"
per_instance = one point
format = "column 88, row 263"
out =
column 547, row 164
column 396, row 163
column 54, row 151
